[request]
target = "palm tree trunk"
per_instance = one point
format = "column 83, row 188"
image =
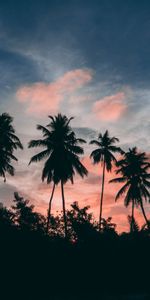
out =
column 132, row 220
column 144, row 215
column 49, row 208
column 102, row 193
column 64, row 210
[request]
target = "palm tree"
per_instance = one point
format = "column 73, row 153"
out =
column 104, row 154
column 133, row 168
column 61, row 151
column 9, row 142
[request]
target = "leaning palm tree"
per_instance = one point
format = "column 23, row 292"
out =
column 104, row 154
column 133, row 168
column 61, row 153
column 9, row 142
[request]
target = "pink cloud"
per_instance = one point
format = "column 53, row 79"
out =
column 110, row 108
column 42, row 97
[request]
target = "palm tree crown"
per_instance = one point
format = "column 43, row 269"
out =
column 61, row 150
column 105, row 150
column 104, row 154
column 9, row 142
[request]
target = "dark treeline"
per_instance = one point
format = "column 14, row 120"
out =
column 37, row 264
column 71, row 255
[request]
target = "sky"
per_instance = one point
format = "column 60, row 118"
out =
column 84, row 58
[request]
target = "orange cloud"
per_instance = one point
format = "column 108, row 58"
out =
column 110, row 108
column 42, row 97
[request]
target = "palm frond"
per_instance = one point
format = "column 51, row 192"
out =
column 80, row 169
column 63, row 150
column 8, row 143
column 69, row 120
column 116, row 149
column 46, row 132
column 9, row 155
column 129, row 196
column 97, row 156
column 81, row 141
column 16, row 140
column 37, row 143
column 48, row 171
column 145, row 193
column 10, row 169
column 113, row 140
column 95, row 142
column 40, row 156
column 118, row 180
column 75, row 149
column 121, row 191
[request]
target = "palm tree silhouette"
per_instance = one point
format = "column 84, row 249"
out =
column 133, row 169
column 61, row 152
column 104, row 154
column 8, row 143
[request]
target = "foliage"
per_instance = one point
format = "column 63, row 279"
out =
column 108, row 226
column 9, row 142
column 61, row 151
column 134, row 171
column 24, row 216
column 132, row 222
column 104, row 154
column 6, row 218
column 105, row 150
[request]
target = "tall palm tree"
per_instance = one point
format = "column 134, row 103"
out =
column 9, row 142
column 104, row 154
column 61, row 152
column 133, row 168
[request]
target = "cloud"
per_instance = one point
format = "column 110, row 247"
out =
column 86, row 133
column 41, row 96
column 7, row 193
column 110, row 108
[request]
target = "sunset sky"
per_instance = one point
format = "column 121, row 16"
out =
column 87, row 59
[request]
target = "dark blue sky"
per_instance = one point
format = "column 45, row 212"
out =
column 109, row 36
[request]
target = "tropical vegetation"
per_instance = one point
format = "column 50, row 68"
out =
column 61, row 151
column 72, row 255
column 134, row 170
column 9, row 142
column 104, row 154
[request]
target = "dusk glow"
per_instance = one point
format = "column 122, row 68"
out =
column 85, row 59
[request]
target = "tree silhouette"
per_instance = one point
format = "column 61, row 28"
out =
column 108, row 226
column 6, row 220
column 8, row 143
column 80, row 222
column 104, row 154
column 61, row 152
column 133, row 169
column 25, row 217
column 134, row 226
